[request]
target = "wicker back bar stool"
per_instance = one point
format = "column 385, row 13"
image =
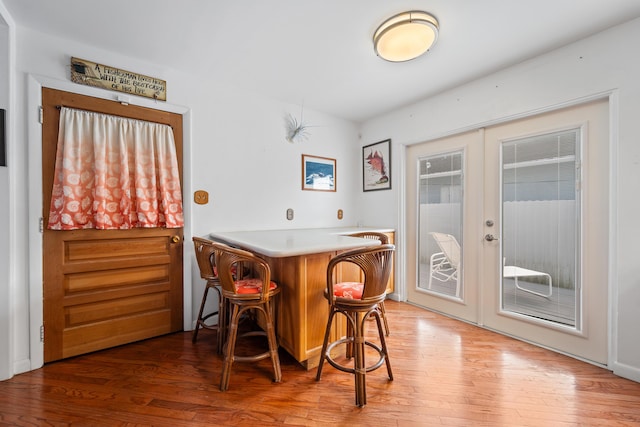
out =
column 245, row 295
column 205, row 257
column 357, row 302
column 384, row 240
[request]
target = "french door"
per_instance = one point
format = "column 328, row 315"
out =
column 508, row 228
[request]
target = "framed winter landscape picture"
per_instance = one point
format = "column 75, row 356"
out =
column 376, row 166
column 318, row 173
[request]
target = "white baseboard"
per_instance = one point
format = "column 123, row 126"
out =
column 21, row 366
column 630, row 372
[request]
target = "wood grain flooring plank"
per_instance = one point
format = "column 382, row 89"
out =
column 446, row 373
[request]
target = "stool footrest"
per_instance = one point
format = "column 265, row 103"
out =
column 254, row 357
column 202, row 321
column 343, row 368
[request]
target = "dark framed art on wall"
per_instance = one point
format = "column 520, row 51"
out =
column 376, row 166
column 3, row 140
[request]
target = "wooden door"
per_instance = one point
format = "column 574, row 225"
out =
column 104, row 288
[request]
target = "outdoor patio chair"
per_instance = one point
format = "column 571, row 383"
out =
column 444, row 265
column 513, row 272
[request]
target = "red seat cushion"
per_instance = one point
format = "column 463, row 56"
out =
column 351, row 290
column 252, row 286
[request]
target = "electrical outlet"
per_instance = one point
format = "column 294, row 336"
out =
column 289, row 214
column 201, row 197
column 339, row 213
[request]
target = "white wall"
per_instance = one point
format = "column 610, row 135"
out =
column 253, row 174
column 236, row 151
column 605, row 62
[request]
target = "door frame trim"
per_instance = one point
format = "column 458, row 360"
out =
column 612, row 96
column 35, row 83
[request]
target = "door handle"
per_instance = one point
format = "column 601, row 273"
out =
column 175, row 239
column 490, row 238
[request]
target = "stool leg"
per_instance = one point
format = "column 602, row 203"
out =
column 222, row 323
column 360, row 368
column 325, row 343
column 229, row 348
column 383, row 345
column 384, row 317
column 273, row 344
column 194, row 338
column 351, row 321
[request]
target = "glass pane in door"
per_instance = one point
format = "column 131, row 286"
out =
column 440, row 210
column 540, row 227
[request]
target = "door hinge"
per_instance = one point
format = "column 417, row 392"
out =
column 41, row 333
column 41, row 115
column 41, row 225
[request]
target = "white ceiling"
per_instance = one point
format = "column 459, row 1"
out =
column 319, row 52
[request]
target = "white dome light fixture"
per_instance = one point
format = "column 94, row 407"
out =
column 405, row 36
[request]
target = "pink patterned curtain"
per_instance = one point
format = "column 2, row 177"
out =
column 114, row 173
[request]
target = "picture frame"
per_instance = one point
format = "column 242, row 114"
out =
column 376, row 166
column 318, row 173
column 3, row 138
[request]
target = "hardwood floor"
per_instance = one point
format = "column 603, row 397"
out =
column 446, row 373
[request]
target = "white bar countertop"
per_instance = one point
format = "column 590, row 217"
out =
column 294, row 242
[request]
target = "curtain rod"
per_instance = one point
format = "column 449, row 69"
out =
column 59, row 107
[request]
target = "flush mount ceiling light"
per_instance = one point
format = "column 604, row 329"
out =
column 405, row 36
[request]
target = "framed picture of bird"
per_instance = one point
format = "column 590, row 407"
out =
column 376, row 166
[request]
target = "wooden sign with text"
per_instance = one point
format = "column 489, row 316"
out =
column 106, row 77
